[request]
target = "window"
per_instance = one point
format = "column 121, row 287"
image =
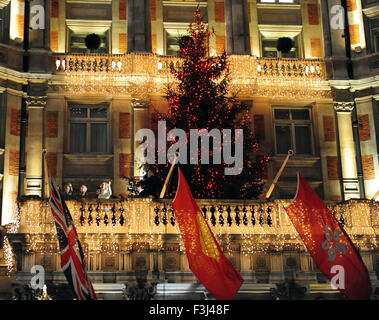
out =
column 77, row 42
column 1, row 25
column 376, row 39
column 172, row 40
column 293, row 130
column 376, row 120
column 89, row 128
column 176, row 19
column 375, row 34
column 269, row 48
column 4, row 23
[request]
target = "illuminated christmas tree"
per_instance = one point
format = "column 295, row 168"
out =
column 199, row 99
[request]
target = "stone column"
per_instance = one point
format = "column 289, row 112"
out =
column 34, row 145
column 324, row 10
column 140, row 120
column 139, row 26
column 3, row 121
column 347, row 150
column 6, row 6
column 332, row 16
column 39, row 33
column 277, row 273
column 237, row 27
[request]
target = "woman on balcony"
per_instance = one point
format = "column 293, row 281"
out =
column 105, row 191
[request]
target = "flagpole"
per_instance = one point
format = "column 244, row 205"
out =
column 290, row 154
column 45, row 175
column 169, row 176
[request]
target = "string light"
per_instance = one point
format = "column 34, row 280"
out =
column 140, row 233
column 200, row 99
column 141, row 75
column 8, row 255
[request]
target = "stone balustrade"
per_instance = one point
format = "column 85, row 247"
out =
column 154, row 219
column 143, row 74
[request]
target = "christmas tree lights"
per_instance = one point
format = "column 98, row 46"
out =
column 199, row 99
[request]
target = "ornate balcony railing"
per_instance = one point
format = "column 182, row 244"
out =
column 145, row 74
column 257, row 224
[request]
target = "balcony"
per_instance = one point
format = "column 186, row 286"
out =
column 142, row 75
column 133, row 224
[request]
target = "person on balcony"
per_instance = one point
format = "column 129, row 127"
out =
column 105, row 191
column 83, row 191
column 67, row 191
column 150, row 186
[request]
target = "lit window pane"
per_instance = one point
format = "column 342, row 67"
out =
column 286, row 1
column 78, row 113
column 77, row 42
column 303, row 140
column 268, row 1
column 283, row 138
column 78, row 137
column 99, row 137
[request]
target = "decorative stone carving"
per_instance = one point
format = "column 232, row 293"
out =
column 141, row 289
column 288, row 290
column 140, row 103
column 25, row 292
column 36, row 101
column 344, row 106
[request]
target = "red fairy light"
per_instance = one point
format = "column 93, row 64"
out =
column 199, row 101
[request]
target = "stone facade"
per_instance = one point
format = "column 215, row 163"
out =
column 333, row 80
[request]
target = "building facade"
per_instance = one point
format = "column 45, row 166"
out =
column 321, row 99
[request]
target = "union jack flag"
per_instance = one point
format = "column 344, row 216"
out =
column 72, row 257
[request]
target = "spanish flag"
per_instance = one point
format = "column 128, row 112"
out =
column 204, row 254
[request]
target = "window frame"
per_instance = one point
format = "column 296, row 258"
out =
column 293, row 124
column 374, row 35
column 276, row 31
column 180, row 27
column 173, row 27
column 88, row 26
column 297, row 39
column 88, row 121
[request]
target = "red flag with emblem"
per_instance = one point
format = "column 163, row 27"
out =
column 204, row 254
column 328, row 243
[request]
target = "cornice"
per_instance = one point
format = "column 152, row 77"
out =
column 4, row 3
column 23, row 77
column 372, row 11
column 358, row 84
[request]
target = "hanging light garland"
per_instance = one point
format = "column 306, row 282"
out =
column 141, row 75
column 8, row 255
column 243, row 222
